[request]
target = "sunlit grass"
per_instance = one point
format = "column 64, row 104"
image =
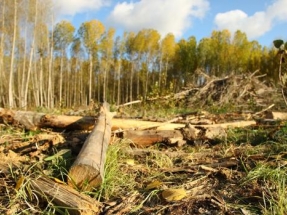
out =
column 274, row 192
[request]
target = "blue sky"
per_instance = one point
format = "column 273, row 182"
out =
column 261, row 20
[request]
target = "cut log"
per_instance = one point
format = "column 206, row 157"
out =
column 147, row 138
column 62, row 195
column 33, row 120
column 189, row 133
column 87, row 172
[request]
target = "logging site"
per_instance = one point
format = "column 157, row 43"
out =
column 175, row 154
column 140, row 107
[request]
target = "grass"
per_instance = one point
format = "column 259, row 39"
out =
column 273, row 182
column 257, row 183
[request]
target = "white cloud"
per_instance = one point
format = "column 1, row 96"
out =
column 72, row 7
column 255, row 25
column 166, row 16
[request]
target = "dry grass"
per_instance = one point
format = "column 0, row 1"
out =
column 254, row 183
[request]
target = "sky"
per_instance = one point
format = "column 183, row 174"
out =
column 261, row 20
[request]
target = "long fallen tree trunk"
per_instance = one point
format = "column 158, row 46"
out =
column 34, row 121
column 87, row 172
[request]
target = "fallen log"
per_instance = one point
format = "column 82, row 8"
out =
column 149, row 137
column 145, row 138
column 66, row 197
column 34, row 121
column 87, row 172
column 59, row 194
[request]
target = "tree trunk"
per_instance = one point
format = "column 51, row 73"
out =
column 41, row 82
column 62, row 195
column 119, row 83
column 87, row 171
column 131, row 82
column 90, row 80
column 61, row 79
column 31, row 58
column 11, row 76
column 22, row 86
column 50, row 72
column 2, row 74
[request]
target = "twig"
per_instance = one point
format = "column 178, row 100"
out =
column 262, row 111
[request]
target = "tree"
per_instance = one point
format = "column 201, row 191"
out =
column 241, row 51
column 91, row 33
column 2, row 37
column 11, row 74
column 146, row 44
column 132, row 55
column 77, row 53
column 167, row 52
column 119, row 51
column 106, row 49
column 186, row 60
column 62, row 36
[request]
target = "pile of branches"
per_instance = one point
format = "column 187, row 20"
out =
column 239, row 90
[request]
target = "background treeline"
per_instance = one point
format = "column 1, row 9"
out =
column 43, row 63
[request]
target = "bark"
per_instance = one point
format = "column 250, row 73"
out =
column 61, row 78
column 50, row 72
column 62, row 195
column 90, row 78
column 147, row 138
column 31, row 58
column 2, row 74
column 33, row 120
column 11, row 75
column 119, row 82
column 87, row 171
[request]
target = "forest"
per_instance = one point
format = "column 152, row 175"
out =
column 49, row 63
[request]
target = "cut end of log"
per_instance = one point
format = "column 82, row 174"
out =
column 84, row 177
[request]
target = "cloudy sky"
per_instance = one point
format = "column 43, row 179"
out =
column 262, row 20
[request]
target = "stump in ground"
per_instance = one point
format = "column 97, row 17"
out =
column 87, row 171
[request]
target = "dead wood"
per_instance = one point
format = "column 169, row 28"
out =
column 147, row 138
column 36, row 145
column 87, row 171
column 233, row 90
column 34, row 121
column 204, row 166
column 129, row 103
column 62, row 195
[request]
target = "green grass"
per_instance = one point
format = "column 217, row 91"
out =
column 273, row 182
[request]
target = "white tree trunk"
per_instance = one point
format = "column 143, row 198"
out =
column 50, row 75
column 11, row 76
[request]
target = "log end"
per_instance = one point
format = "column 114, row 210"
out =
column 84, row 177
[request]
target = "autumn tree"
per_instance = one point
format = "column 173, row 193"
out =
column 91, row 32
column 119, row 49
column 62, row 36
column 77, row 54
column 240, row 54
column 106, row 49
column 167, row 52
column 186, row 60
